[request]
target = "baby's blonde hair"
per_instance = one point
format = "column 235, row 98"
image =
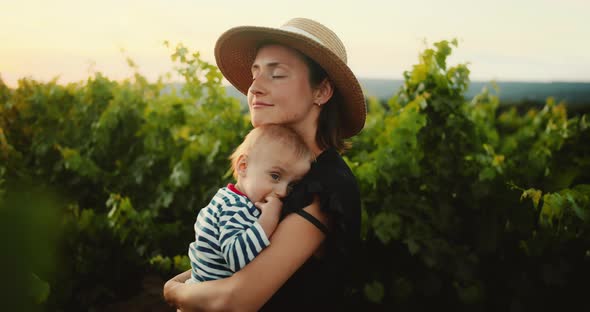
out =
column 282, row 135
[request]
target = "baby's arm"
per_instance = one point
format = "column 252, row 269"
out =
column 241, row 239
column 271, row 211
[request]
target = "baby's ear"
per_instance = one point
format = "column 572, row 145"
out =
column 242, row 165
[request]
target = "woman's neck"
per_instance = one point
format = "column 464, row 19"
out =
column 307, row 130
column 311, row 143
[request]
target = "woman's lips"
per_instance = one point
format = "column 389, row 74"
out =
column 261, row 105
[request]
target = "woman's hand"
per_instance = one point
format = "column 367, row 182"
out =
column 205, row 296
column 172, row 290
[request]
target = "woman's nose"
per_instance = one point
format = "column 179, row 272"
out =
column 257, row 86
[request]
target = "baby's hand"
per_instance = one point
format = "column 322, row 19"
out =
column 271, row 205
column 271, row 211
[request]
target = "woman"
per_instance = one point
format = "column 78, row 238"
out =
column 295, row 76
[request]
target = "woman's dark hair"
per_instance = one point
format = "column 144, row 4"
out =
column 329, row 133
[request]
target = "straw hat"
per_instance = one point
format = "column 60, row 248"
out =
column 236, row 49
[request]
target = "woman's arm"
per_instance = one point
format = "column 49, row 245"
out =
column 293, row 242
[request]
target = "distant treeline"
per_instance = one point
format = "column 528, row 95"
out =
column 525, row 94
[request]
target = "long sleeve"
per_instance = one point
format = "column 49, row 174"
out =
column 241, row 236
column 227, row 236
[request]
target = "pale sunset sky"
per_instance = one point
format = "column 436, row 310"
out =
column 517, row 40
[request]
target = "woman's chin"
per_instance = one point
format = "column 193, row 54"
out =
column 257, row 122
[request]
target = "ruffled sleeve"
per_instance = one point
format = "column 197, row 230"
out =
column 332, row 180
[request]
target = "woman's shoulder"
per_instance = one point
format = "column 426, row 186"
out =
column 339, row 197
column 329, row 177
column 331, row 171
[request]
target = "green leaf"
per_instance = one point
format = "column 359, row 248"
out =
column 40, row 289
column 182, row 263
column 533, row 194
column 374, row 292
column 553, row 209
column 413, row 246
column 180, row 176
column 487, row 174
column 387, row 226
column 161, row 263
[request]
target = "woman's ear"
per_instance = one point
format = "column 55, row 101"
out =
column 242, row 165
column 323, row 92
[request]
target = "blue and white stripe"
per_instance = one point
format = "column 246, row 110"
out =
column 228, row 236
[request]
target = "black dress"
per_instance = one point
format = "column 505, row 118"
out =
column 328, row 282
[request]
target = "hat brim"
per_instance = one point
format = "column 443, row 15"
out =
column 235, row 52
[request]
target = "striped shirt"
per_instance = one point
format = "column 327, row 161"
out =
column 228, row 236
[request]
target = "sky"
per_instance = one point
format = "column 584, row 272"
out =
column 516, row 40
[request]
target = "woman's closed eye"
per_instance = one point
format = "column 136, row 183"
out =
column 278, row 73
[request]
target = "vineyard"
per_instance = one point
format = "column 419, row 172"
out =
column 464, row 205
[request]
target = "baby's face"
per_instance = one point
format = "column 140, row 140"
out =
column 271, row 171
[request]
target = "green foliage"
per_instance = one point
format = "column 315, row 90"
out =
column 40, row 289
column 135, row 162
column 166, row 264
column 562, row 209
column 439, row 180
column 29, row 218
column 465, row 205
column 374, row 292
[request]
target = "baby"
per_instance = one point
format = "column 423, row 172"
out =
column 238, row 222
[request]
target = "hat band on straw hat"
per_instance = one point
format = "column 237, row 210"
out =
column 301, row 32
